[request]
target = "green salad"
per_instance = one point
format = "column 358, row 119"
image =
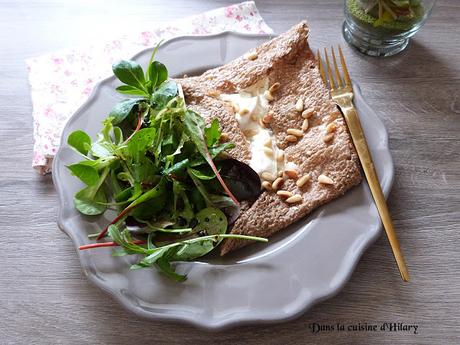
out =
column 400, row 15
column 166, row 173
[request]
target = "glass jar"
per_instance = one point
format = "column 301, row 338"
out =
column 383, row 27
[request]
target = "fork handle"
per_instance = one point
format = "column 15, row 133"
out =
column 357, row 134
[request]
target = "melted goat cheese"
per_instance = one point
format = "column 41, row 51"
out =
column 252, row 106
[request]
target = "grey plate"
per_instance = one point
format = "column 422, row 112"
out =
column 308, row 262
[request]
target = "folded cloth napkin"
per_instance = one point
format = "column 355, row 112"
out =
column 62, row 81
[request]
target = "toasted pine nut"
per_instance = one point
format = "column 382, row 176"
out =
column 291, row 138
column 299, row 105
column 236, row 107
column 325, row 179
column 304, row 179
column 328, row 137
column 280, row 156
column 276, row 184
column 254, row 117
column 262, row 124
column 274, row 87
column 331, row 127
column 224, row 137
column 294, row 131
column 268, row 118
column 268, row 151
column 294, row 199
column 306, row 114
column 214, row 93
column 269, row 96
column 268, row 177
column 249, row 133
column 267, row 185
column 244, row 111
column 251, row 56
column 291, row 173
column 284, row 193
column 305, row 125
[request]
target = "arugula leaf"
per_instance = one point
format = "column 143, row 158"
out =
column 131, row 90
column 212, row 133
column 124, row 240
column 141, row 141
column 130, row 72
column 122, row 109
column 161, row 72
column 165, row 92
column 89, row 203
column 80, row 141
column 90, row 200
column 165, row 266
column 193, row 126
column 202, row 175
column 87, row 174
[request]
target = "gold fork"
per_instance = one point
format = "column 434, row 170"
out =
column 342, row 95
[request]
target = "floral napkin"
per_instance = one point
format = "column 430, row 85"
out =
column 62, row 81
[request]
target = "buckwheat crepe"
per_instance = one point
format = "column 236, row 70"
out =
column 325, row 148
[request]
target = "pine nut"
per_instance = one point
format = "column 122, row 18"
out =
column 224, row 137
column 244, row 111
column 262, row 124
column 214, row 93
column 268, row 118
column 276, row 184
column 249, row 133
column 280, row 173
column 236, row 107
column 254, row 117
column 268, row 177
column 328, row 137
column 291, row 173
column 280, row 156
column 291, row 138
column 267, row 185
column 325, row 179
column 251, row 56
column 268, row 151
column 274, row 87
column 331, row 127
column 303, row 180
column 305, row 125
column 299, row 105
column 284, row 193
column 296, row 132
column 306, row 114
column 268, row 95
column 294, row 199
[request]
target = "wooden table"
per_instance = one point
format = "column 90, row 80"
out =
column 45, row 298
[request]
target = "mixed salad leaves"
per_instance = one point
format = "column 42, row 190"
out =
column 166, row 173
column 391, row 14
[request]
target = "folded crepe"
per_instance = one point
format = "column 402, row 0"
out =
column 324, row 149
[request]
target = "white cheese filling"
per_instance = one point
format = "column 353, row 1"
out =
column 252, row 106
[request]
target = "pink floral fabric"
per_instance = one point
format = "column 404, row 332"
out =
column 61, row 81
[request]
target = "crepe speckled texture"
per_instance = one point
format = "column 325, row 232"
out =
column 286, row 59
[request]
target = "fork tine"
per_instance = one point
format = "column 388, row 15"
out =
column 336, row 68
column 329, row 71
column 346, row 76
column 321, row 67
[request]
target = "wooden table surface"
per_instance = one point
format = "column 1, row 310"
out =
column 46, row 299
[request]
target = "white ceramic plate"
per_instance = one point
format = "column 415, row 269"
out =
column 300, row 266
